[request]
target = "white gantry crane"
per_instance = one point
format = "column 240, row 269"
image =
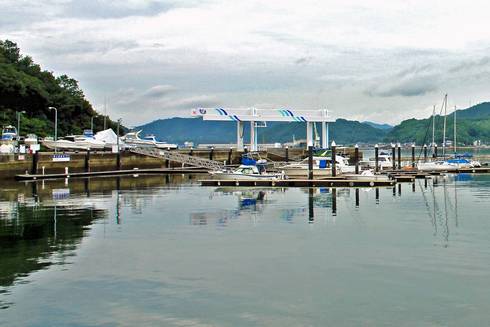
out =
column 254, row 115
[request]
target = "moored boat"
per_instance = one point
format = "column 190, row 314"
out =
column 245, row 172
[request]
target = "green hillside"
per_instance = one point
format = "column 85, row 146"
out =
column 24, row 86
column 471, row 124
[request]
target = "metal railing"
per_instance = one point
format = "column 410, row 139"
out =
column 179, row 157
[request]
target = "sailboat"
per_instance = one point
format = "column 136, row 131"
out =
column 450, row 164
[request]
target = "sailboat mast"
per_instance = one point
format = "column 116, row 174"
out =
column 433, row 127
column 455, row 130
column 444, row 130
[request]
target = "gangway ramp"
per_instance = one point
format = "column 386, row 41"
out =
column 179, row 157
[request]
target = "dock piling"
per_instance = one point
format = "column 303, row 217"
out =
column 393, row 158
column 87, row 161
column 35, row 161
column 287, row 154
column 334, row 168
column 356, row 155
column 310, row 162
column 399, row 156
column 425, row 152
column 413, row 155
column 230, row 152
column 376, row 158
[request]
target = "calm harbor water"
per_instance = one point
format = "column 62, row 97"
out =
column 163, row 251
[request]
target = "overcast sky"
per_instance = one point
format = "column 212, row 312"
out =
column 382, row 61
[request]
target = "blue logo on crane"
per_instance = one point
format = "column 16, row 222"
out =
column 289, row 113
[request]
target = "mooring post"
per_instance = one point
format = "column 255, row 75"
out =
column 393, row 158
column 118, row 159
column 356, row 155
column 425, row 152
column 211, row 153
column 287, row 154
column 434, row 155
column 413, row 155
column 191, row 152
column 87, row 161
column 376, row 158
column 167, row 163
column 310, row 162
column 334, row 170
column 230, row 153
column 399, row 155
column 35, row 160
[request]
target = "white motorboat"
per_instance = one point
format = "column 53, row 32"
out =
column 440, row 165
column 367, row 175
column 132, row 139
column 30, row 139
column 245, row 172
column 65, row 143
column 321, row 167
column 384, row 162
column 9, row 134
column 300, row 169
column 88, row 141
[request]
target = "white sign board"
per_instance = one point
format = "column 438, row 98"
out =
column 61, row 157
column 35, row 147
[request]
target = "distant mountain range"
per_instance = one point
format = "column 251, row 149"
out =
column 377, row 125
column 472, row 124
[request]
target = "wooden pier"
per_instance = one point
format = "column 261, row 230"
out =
column 186, row 170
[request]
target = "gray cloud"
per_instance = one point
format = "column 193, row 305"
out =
column 159, row 91
column 94, row 9
column 467, row 65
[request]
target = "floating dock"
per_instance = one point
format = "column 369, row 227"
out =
column 162, row 171
column 298, row 183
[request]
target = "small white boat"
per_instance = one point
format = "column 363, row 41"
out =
column 88, row 141
column 65, row 143
column 245, row 172
column 9, row 134
column 321, row 167
column 30, row 139
column 436, row 166
column 367, row 175
column 384, row 162
column 132, row 139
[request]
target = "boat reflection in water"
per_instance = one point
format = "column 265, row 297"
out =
column 183, row 238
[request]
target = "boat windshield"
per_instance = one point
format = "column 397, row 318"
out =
column 9, row 130
column 246, row 170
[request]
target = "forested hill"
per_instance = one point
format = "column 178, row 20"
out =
column 24, row 86
column 179, row 130
column 471, row 124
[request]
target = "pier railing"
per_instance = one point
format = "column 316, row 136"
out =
column 180, row 158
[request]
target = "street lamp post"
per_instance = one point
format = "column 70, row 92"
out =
column 55, row 127
column 18, row 122
column 92, row 123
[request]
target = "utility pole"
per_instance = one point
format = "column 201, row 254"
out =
column 55, row 128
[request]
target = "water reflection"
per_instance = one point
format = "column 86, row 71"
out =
column 42, row 224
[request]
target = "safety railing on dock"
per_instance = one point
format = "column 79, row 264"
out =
column 179, row 157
